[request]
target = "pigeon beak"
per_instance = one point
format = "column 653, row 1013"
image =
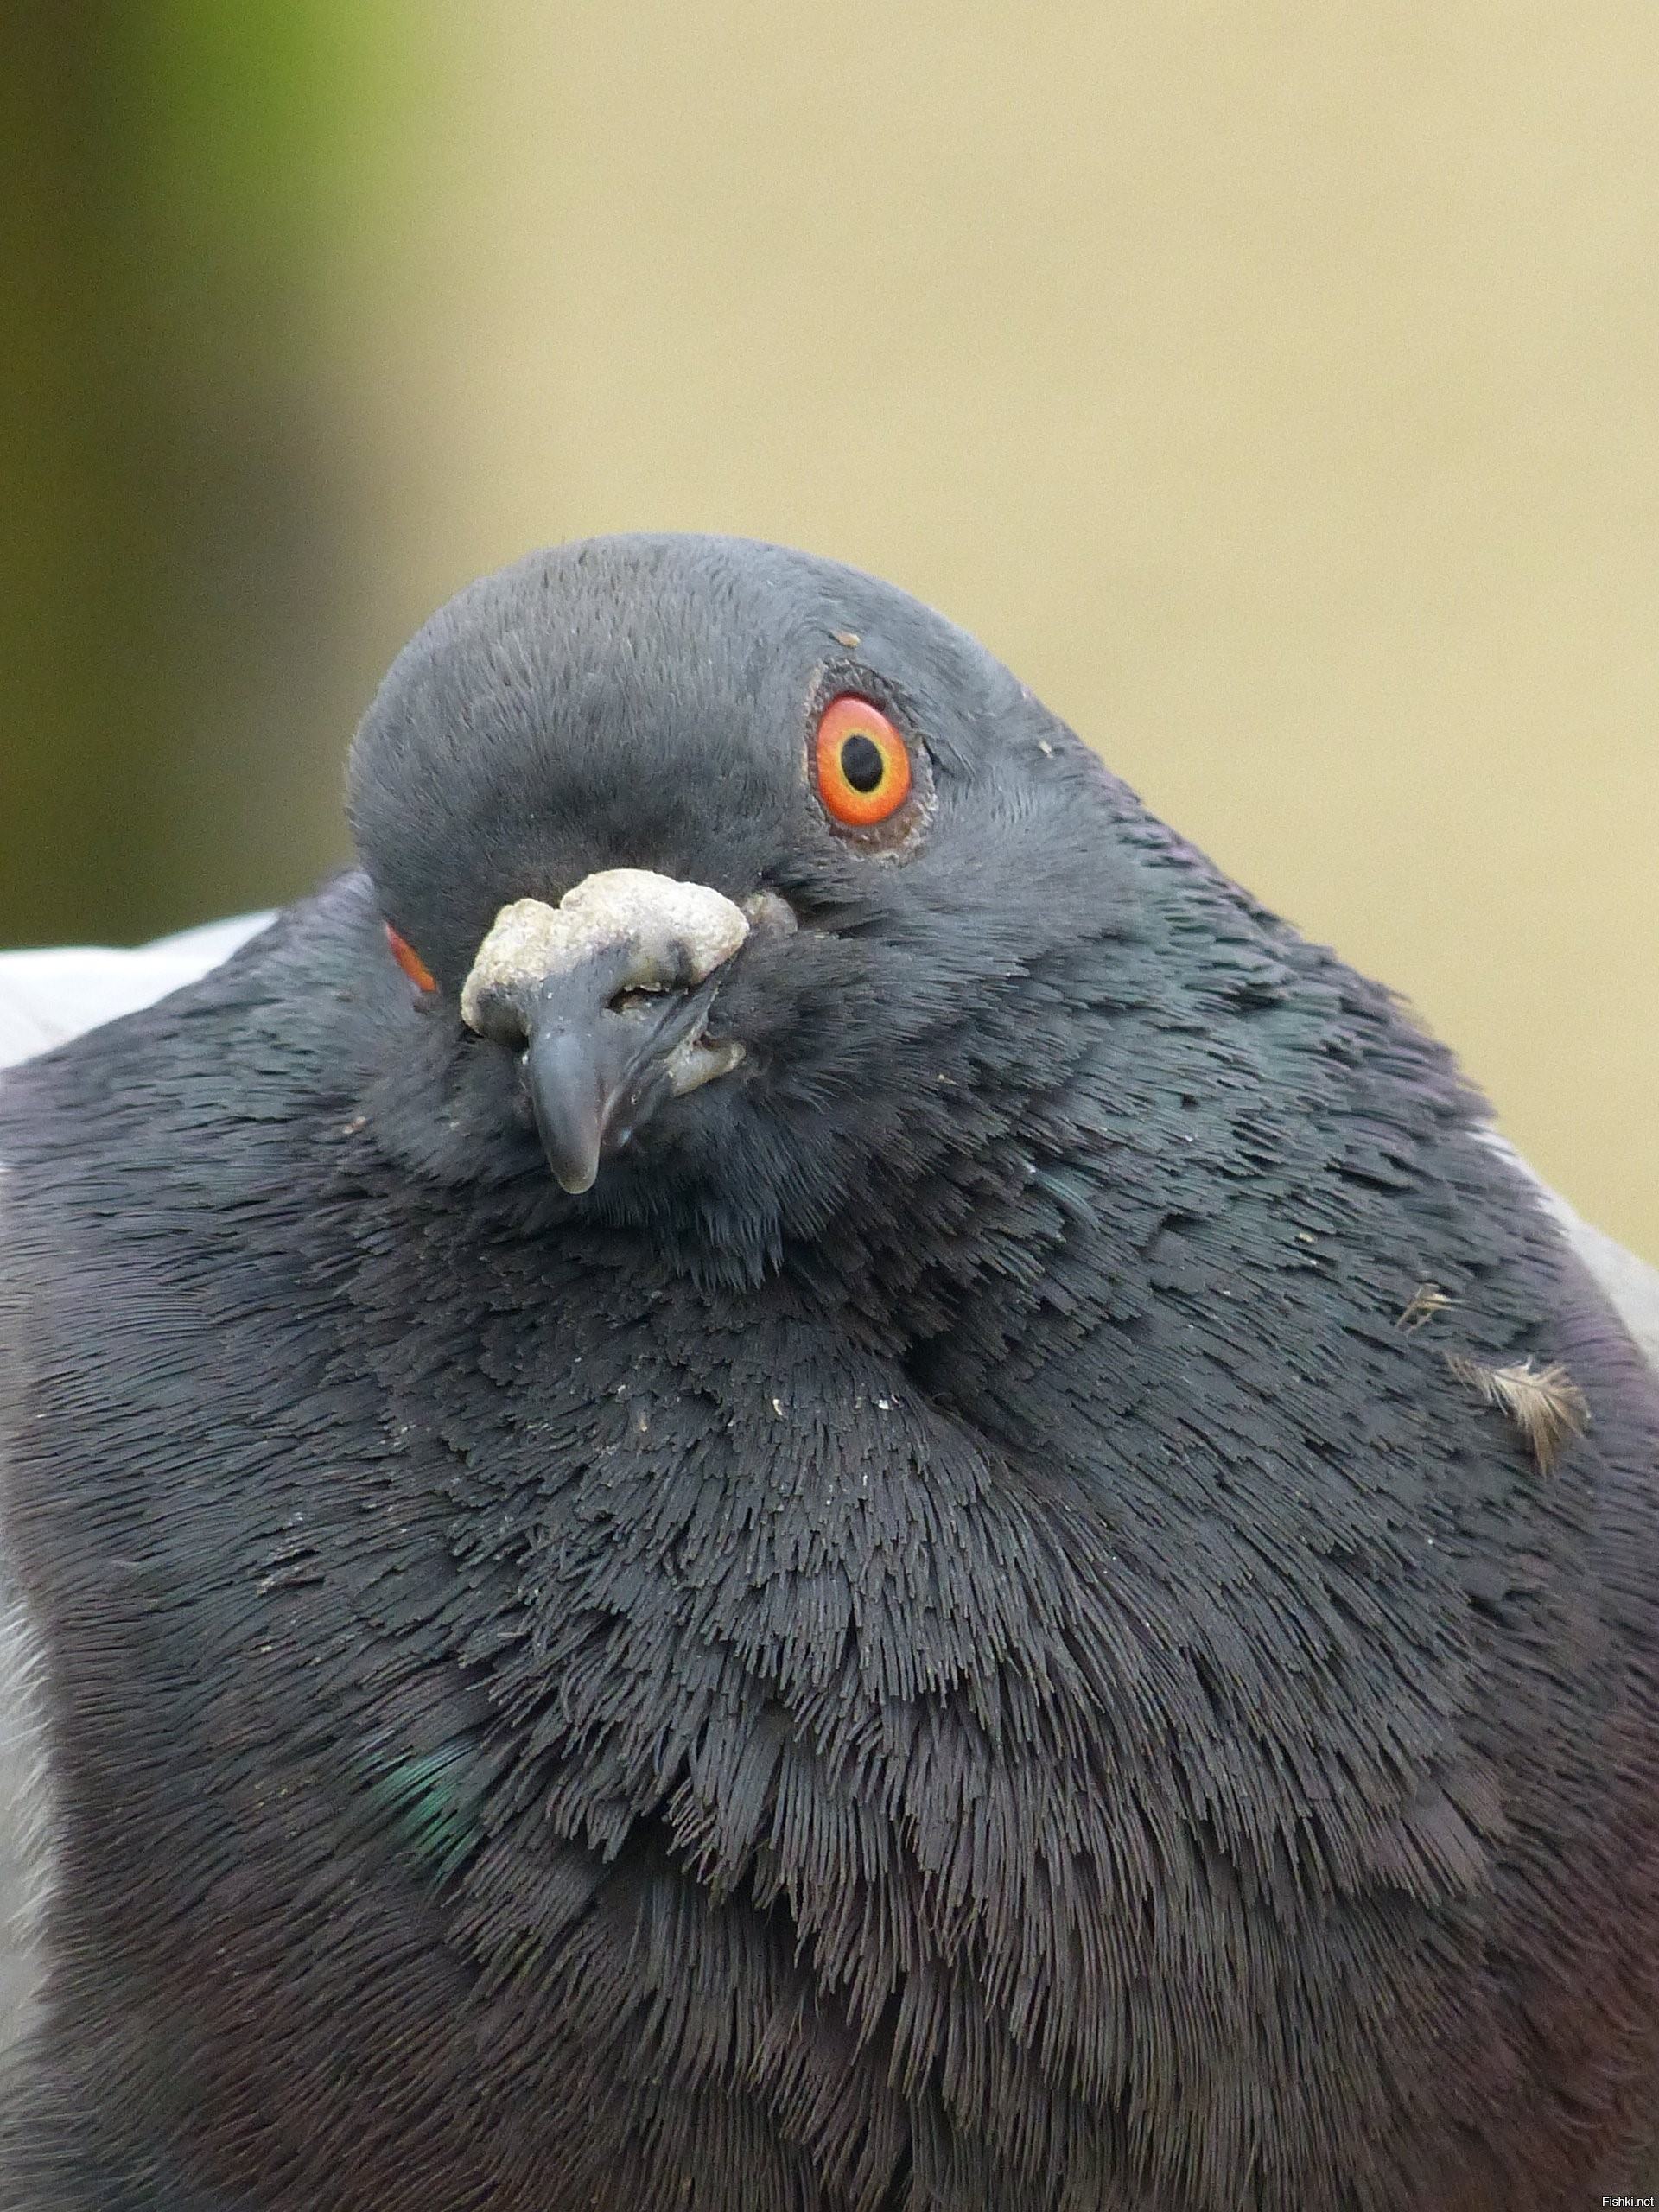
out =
column 575, row 1100
column 604, row 997
column 599, row 1058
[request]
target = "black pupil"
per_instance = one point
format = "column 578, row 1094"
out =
column 861, row 762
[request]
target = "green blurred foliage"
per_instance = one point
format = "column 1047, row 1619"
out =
column 170, row 507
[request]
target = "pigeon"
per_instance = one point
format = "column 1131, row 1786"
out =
column 783, row 1472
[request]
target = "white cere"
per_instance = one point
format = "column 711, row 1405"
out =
column 678, row 934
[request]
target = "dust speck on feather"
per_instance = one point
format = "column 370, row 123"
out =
column 1425, row 1302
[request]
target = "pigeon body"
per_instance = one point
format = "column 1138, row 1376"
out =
column 948, row 1633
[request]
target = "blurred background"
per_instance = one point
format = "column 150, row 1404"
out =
column 1273, row 387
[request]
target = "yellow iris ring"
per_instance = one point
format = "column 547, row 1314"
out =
column 844, row 720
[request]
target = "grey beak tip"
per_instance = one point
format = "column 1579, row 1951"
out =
column 567, row 1089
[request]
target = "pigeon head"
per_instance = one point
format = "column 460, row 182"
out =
column 723, row 881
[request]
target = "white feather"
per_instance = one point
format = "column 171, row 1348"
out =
column 49, row 997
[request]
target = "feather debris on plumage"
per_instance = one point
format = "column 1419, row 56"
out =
column 1544, row 1403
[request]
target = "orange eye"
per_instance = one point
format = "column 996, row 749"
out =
column 410, row 962
column 863, row 767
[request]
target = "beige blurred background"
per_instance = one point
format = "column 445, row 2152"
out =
column 1274, row 386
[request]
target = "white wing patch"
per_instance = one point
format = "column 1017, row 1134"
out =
column 47, row 997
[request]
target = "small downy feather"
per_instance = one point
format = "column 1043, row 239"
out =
column 1544, row 1403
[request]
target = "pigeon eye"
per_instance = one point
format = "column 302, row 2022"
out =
column 862, row 763
column 411, row 961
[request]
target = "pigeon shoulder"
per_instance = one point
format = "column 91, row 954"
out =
column 49, row 997
column 26, row 1801
column 1629, row 1283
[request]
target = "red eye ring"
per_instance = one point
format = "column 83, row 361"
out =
column 862, row 763
column 411, row 961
